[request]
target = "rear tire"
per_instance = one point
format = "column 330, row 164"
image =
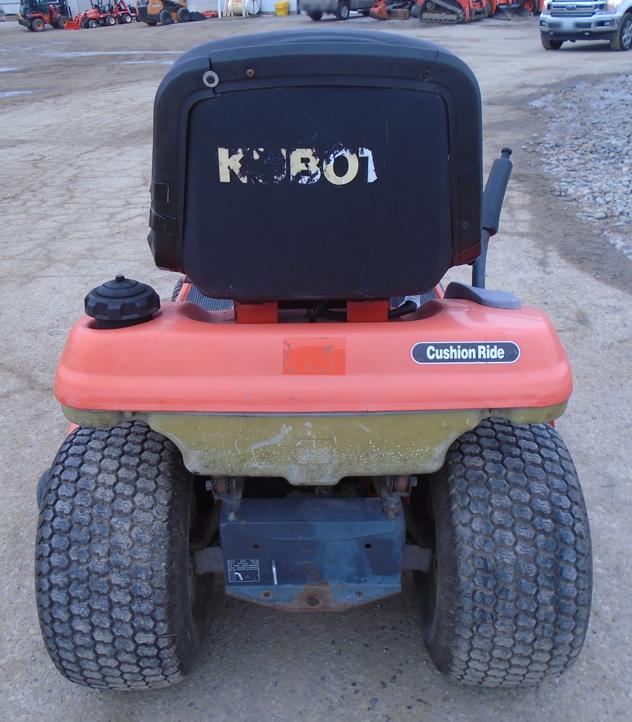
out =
column 549, row 44
column 93, row 24
column 118, row 603
column 165, row 17
column 110, row 20
column 127, row 19
column 61, row 22
column 623, row 38
column 37, row 25
column 183, row 15
column 508, row 600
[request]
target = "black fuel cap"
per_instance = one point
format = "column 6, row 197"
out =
column 121, row 302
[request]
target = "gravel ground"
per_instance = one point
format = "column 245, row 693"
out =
column 586, row 151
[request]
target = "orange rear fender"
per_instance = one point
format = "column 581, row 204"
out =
column 190, row 360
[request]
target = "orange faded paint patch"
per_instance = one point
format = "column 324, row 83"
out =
column 314, row 356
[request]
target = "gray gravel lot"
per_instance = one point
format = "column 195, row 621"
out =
column 586, row 151
column 75, row 150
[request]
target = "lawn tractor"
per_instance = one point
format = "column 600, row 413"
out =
column 314, row 416
column 124, row 13
column 35, row 15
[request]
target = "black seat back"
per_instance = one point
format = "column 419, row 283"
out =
column 316, row 165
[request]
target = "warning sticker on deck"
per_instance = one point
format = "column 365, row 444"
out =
column 243, row 570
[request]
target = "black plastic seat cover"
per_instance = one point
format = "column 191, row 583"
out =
column 316, row 165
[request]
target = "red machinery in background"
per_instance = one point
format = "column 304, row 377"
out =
column 35, row 15
column 101, row 14
column 455, row 11
column 522, row 7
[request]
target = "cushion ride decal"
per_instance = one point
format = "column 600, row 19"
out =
column 465, row 352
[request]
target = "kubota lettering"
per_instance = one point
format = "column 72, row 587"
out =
column 305, row 166
column 230, row 162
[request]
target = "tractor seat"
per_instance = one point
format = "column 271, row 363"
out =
column 316, row 165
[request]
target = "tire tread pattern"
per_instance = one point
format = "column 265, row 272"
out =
column 107, row 564
column 523, row 555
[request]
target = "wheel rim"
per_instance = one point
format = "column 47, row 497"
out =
column 626, row 35
column 344, row 12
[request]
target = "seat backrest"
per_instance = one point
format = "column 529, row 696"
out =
column 316, row 165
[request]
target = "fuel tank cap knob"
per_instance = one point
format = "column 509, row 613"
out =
column 121, row 302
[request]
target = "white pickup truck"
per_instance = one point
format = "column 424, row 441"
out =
column 565, row 20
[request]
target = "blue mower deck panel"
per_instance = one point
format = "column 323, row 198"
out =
column 313, row 415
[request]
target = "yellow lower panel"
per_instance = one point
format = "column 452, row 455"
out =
column 313, row 449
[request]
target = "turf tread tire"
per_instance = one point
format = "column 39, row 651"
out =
column 513, row 548
column 111, row 567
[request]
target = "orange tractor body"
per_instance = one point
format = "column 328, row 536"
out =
column 36, row 15
column 454, row 11
column 117, row 13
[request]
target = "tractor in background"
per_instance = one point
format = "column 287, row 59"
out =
column 124, row 12
column 453, row 11
column 166, row 12
column 35, row 15
column 519, row 7
column 102, row 14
